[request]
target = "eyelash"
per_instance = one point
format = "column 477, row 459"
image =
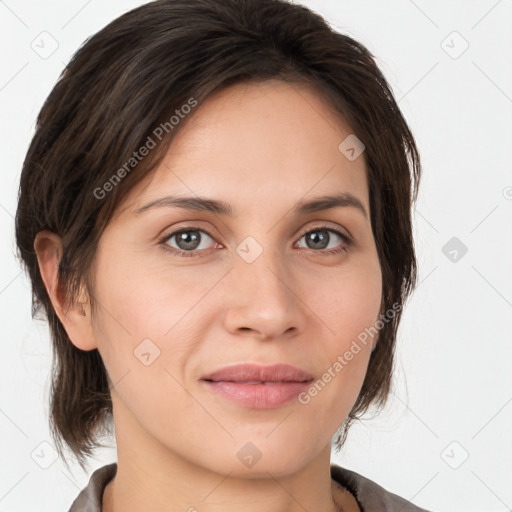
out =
column 195, row 253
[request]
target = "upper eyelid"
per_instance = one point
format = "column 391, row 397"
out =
column 327, row 227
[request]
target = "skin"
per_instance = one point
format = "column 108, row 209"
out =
column 261, row 147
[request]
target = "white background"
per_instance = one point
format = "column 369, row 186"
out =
column 452, row 397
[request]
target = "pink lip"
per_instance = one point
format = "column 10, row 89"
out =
column 259, row 387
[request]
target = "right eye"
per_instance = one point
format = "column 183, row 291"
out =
column 187, row 241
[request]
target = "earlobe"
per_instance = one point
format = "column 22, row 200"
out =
column 75, row 318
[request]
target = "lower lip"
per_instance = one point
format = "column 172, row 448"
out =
column 259, row 396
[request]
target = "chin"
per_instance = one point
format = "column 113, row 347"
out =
column 255, row 457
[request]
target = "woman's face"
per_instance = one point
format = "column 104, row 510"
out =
column 269, row 283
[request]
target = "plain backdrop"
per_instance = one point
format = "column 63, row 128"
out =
column 444, row 439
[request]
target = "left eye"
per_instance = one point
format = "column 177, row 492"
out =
column 320, row 238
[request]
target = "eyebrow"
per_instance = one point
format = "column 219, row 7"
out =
column 344, row 199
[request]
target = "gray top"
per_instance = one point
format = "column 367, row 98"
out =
column 370, row 496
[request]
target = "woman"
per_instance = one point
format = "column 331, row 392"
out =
column 215, row 216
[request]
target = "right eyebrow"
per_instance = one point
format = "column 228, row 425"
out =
column 189, row 203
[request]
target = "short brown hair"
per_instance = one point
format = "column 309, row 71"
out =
column 132, row 76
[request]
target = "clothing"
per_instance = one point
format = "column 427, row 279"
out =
column 370, row 496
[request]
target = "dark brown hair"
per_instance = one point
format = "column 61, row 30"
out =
column 131, row 77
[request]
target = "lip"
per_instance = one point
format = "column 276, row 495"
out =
column 257, row 386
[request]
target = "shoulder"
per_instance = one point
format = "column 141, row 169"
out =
column 89, row 499
column 371, row 496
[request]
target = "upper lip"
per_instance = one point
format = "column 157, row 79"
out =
column 259, row 373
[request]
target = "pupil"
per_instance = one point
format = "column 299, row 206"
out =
column 319, row 239
column 188, row 240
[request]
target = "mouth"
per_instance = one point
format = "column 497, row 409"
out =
column 258, row 387
column 267, row 383
column 257, row 374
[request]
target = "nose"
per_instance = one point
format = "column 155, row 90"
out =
column 264, row 299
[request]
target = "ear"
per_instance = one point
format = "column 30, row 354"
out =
column 76, row 319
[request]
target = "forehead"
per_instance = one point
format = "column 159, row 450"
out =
column 272, row 138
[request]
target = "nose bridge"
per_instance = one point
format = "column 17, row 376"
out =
column 262, row 297
column 262, row 269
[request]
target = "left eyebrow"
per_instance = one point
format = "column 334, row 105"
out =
column 344, row 199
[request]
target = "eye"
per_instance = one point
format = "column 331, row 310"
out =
column 320, row 238
column 192, row 241
column 187, row 241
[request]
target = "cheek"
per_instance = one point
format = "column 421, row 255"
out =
column 348, row 304
column 347, row 301
column 145, row 298
column 145, row 314
column 147, row 328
